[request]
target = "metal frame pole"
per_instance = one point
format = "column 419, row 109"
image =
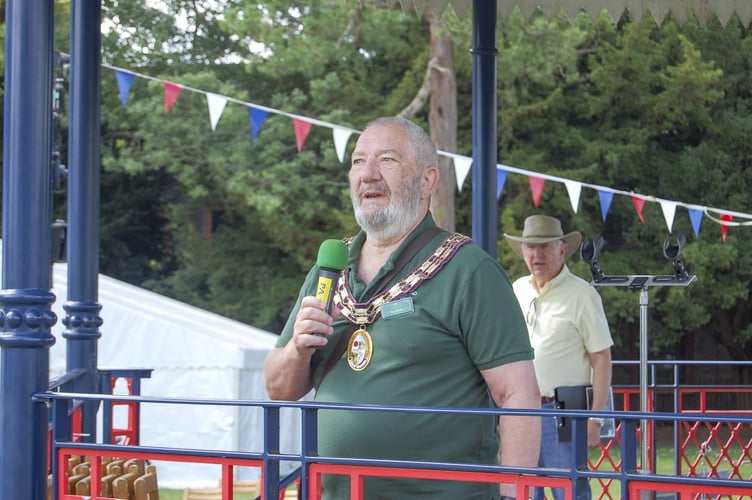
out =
column 644, row 462
column 82, row 320
column 25, row 300
column 484, row 52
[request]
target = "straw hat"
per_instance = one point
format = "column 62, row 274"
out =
column 542, row 229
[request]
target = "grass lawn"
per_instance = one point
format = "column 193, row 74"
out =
column 178, row 495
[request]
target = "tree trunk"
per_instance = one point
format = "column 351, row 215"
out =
column 442, row 118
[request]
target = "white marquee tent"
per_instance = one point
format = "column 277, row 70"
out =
column 194, row 354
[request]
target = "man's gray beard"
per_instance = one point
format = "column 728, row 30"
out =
column 393, row 220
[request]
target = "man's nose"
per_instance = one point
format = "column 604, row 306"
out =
column 536, row 251
column 371, row 168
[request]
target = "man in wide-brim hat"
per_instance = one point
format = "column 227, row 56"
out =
column 544, row 229
column 568, row 331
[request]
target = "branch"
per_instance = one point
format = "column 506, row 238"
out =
column 424, row 92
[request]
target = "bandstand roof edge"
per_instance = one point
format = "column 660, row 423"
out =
column 659, row 9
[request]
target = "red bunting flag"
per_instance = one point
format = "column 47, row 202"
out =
column 171, row 93
column 639, row 203
column 724, row 227
column 301, row 131
column 536, row 186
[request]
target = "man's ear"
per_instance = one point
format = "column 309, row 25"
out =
column 429, row 182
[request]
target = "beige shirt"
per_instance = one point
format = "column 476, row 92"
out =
column 565, row 321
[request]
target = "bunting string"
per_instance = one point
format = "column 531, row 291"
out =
column 462, row 164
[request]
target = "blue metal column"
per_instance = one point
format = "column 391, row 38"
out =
column 25, row 300
column 485, row 211
column 82, row 320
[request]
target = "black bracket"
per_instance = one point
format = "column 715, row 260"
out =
column 589, row 253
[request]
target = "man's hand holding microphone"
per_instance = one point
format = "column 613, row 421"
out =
column 314, row 321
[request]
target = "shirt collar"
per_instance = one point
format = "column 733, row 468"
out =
column 359, row 239
column 552, row 283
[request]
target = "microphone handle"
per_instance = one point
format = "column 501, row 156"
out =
column 325, row 288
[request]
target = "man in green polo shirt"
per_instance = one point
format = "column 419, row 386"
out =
column 423, row 318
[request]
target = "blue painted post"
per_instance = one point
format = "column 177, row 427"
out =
column 271, row 447
column 25, row 301
column 579, row 444
column 485, row 213
column 82, row 320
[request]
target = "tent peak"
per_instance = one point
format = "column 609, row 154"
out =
column 659, row 9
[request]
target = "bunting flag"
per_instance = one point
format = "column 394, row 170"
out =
column 606, row 197
column 695, row 216
column 302, row 128
column 257, row 118
column 536, row 187
column 217, row 105
column 573, row 190
column 171, row 93
column 669, row 211
column 340, row 136
column 724, row 227
column 639, row 203
column 124, row 81
column 501, row 179
column 462, row 164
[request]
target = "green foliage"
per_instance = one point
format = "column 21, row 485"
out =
column 233, row 225
column 324, row 68
column 634, row 107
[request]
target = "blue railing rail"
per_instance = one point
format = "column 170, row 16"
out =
column 65, row 380
column 271, row 457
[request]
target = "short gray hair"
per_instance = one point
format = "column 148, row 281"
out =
column 419, row 141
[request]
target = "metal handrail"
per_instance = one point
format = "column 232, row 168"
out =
column 271, row 457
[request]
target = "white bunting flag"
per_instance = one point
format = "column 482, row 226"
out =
column 341, row 136
column 574, row 189
column 669, row 210
column 217, row 105
column 462, row 166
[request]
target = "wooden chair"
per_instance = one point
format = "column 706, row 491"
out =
column 83, row 487
column 145, row 487
column 202, row 494
column 137, row 465
column 122, row 486
column 80, row 469
column 107, row 489
column 249, row 486
column 72, row 462
column 115, row 467
column 78, row 473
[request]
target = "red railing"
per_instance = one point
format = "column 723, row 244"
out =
column 608, row 476
column 523, row 483
column 97, row 470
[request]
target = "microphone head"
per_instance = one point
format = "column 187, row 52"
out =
column 332, row 255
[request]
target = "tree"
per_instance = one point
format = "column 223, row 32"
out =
column 637, row 109
column 655, row 109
